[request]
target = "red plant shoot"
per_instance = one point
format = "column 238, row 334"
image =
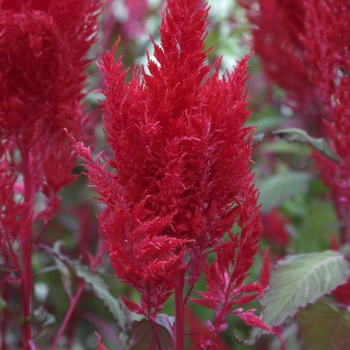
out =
column 311, row 42
column 42, row 63
column 178, row 214
column 180, row 176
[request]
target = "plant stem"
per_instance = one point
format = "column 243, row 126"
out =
column 73, row 303
column 180, row 312
column 156, row 334
column 4, row 314
column 27, row 249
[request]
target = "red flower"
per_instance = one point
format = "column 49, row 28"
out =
column 277, row 29
column 180, row 178
column 42, row 63
column 328, row 40
column 305, row 50
column 42, row 74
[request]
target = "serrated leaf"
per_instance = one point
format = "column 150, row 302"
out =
column 63, row 270
column 299, row 135
column 278, row 188
column 265, row 122
column 143, row 337
column 297, row 281
column 166, row 321
column 99, row 286
column 101, row 290
column 324, row 326
column 302, row 279
column 279, row 147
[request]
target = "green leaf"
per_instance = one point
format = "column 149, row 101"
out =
column 319, row 219
column 324, row 326
column 265, row 122
column 166, row 321
column 297, row 281
column 278, row 188
column 299, row 135
column 143, row 337
column 100, row 288
column 2, row 304
column 302, row 279
column 62, row 268
column 281, row 147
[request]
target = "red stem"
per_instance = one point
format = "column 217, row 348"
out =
column 27, row 249
column 156, row 334
column 180, row 312
column 4, row 316
column 73, row 303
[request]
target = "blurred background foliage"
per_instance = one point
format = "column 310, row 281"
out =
column 293, row 199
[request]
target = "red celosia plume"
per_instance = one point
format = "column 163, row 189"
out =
column 43, row 48
column 277, row 29
column 180, row 175
column 310, row 41
column 327, row 41
column 42, row 63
